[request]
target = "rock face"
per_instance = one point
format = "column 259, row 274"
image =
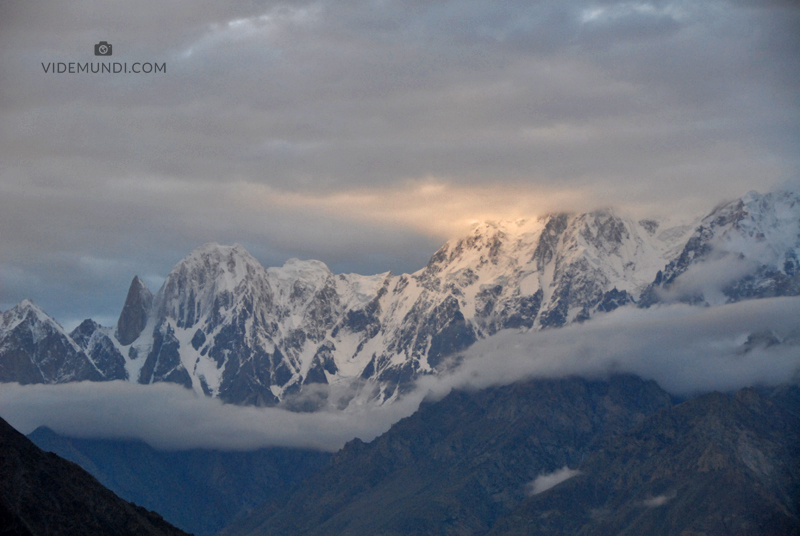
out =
column 477, row 463
column 41, row 493
column 225, row 326
column 133, row 318
column 101, row 349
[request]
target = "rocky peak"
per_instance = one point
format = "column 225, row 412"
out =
column 490, row 245
column 212, row 279
column 34, row 348
column 758, row 239
column 604, row 230
column 33, row 319
column 133, row 318
column 23, row 310
column 83, row 333
column 554, row 226
column 764, row 227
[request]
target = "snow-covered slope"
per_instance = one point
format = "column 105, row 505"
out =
column 225, row 326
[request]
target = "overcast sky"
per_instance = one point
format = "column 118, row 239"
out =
column 364, row 134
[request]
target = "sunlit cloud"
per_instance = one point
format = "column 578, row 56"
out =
column 434, row 206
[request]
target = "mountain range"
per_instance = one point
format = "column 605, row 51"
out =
column 301, row 336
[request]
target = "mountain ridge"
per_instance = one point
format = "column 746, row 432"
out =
column 41, row 493
column 633, row 460
column 225, row 326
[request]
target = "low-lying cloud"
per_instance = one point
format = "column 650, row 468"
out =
column 545, row 482
column 170, row 417
column 659, row 500
column 687, row 350
column 709, row 279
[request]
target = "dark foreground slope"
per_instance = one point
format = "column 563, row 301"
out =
column 42, row 494
column 200, row 491
column 458, row 465
column 717, row 464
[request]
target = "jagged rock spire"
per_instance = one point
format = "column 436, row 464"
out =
column 133, row 318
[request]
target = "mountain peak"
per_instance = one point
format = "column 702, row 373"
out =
column 27, row 305
column 210, row 272
column 212, row 254
column 133, row 317
column 225, row 265
column 26, row 309
column 296, row 265
column 763, row 227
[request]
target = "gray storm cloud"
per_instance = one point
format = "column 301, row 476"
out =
column 687, row 350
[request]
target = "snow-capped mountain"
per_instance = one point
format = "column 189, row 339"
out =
column 225, row 326
column 748, row 248
column 34, row 348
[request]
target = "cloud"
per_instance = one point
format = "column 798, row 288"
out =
column 709, row 278
column 659, row 500
column 687, row 350
column 546, row 481
column 171, row 417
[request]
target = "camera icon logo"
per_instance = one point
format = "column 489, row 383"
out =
column 102, row 49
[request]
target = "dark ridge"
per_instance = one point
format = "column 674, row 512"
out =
column 42, row 494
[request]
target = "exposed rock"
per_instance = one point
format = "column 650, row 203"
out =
column 133, row 318
column 754, row 242
column 97, row 342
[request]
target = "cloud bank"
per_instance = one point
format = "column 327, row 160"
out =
column 170, row 417
column 687, row 350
